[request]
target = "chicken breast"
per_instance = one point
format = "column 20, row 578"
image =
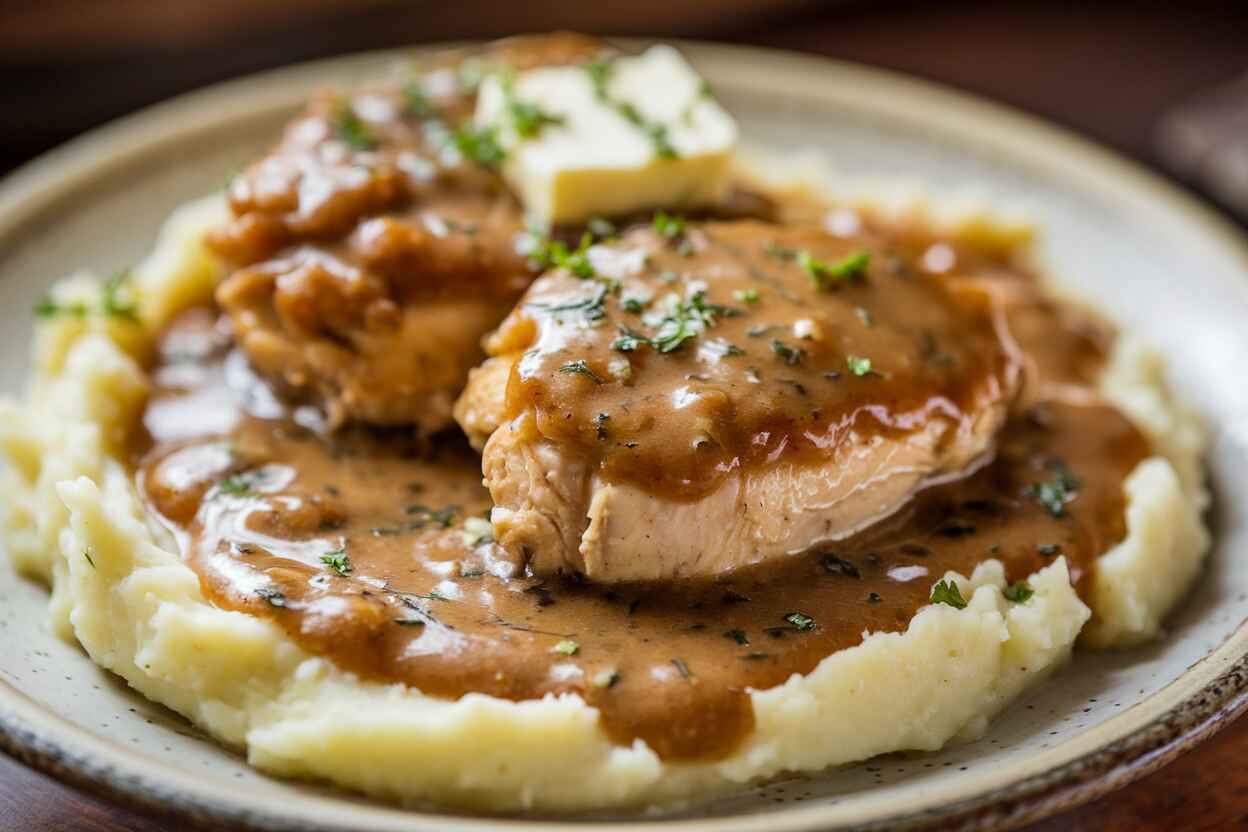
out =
column 377, row 244
column 686, row 401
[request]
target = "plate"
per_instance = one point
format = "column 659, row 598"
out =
column 1161, row 263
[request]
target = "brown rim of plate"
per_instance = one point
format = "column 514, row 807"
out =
column 29, row 733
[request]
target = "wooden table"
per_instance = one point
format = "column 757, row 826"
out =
column 1107, row 69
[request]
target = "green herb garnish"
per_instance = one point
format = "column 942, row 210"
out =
column 738, row 636
column 947, row 592
column 800, row 621
column 275, row 598
column 415, row 102
column 683, row 669
column 858, row 365
column 599, row 73
column 567, row 647
column 1019, row 592
column 580, row 368
column 633, row 305
column 547, row 253
column 117, row 298
column 822, row 273
column 527, row 119
column 791, row 356
column 687, row 320
column 1054, row 494
column 749, row 296
column 47, row 307
column 235, row 485
column 629, row 341
column 86, row 553
column 479, row 145
column 338, row 560
column 351, row 128
column 443, row 517
column 670, row 226
column 591, row 307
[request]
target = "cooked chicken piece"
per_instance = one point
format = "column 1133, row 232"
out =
column 376, row 243
column 704, row 398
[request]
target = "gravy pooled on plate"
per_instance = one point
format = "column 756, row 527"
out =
column 372, row 549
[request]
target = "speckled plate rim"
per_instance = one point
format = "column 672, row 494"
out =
column 1211, row 692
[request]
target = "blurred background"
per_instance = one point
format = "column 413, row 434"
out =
column 1156, row 80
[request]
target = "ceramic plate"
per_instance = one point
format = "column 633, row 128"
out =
column 1161, row 264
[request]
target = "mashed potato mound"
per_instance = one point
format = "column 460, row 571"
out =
column 72, row 519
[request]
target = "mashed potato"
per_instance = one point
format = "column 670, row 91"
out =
column 72, row 518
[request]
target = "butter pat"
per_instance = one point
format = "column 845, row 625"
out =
column 643, row 133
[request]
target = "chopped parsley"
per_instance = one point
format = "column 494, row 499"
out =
column 839, row 566
column 738, row 636
column 749, row 296
column 599, row 73
column 480, row 145
column 117, row 298
column 275, row 598
column 591, row 307
column 1019, row 592
column 823, row 274
column 683, row 669
column 858, row 365
column 567, row 647
column 947, row 592
column 800, row 621
column 547, row 253
column 791, row 356
column 580, row 368
column 634, row 305
column 338, row 560
column 86, row 553
column 1054, row 494
column 527, row 119
column 687, row 320
column 415, row 102
column 670, row 226
column 351, row 129
column 116, row 301
column 442, row 517
column 48, row 307
column 235, row 485
column 629, row 341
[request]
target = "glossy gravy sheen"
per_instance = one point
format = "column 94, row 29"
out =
column 371, row 550
column 780, row 359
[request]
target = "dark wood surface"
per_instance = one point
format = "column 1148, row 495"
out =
column 1109, row 70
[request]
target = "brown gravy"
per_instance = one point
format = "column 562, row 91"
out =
column 369, row 550
column 739, row 360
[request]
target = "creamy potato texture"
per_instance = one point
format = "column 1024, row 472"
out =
column 73, row 519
